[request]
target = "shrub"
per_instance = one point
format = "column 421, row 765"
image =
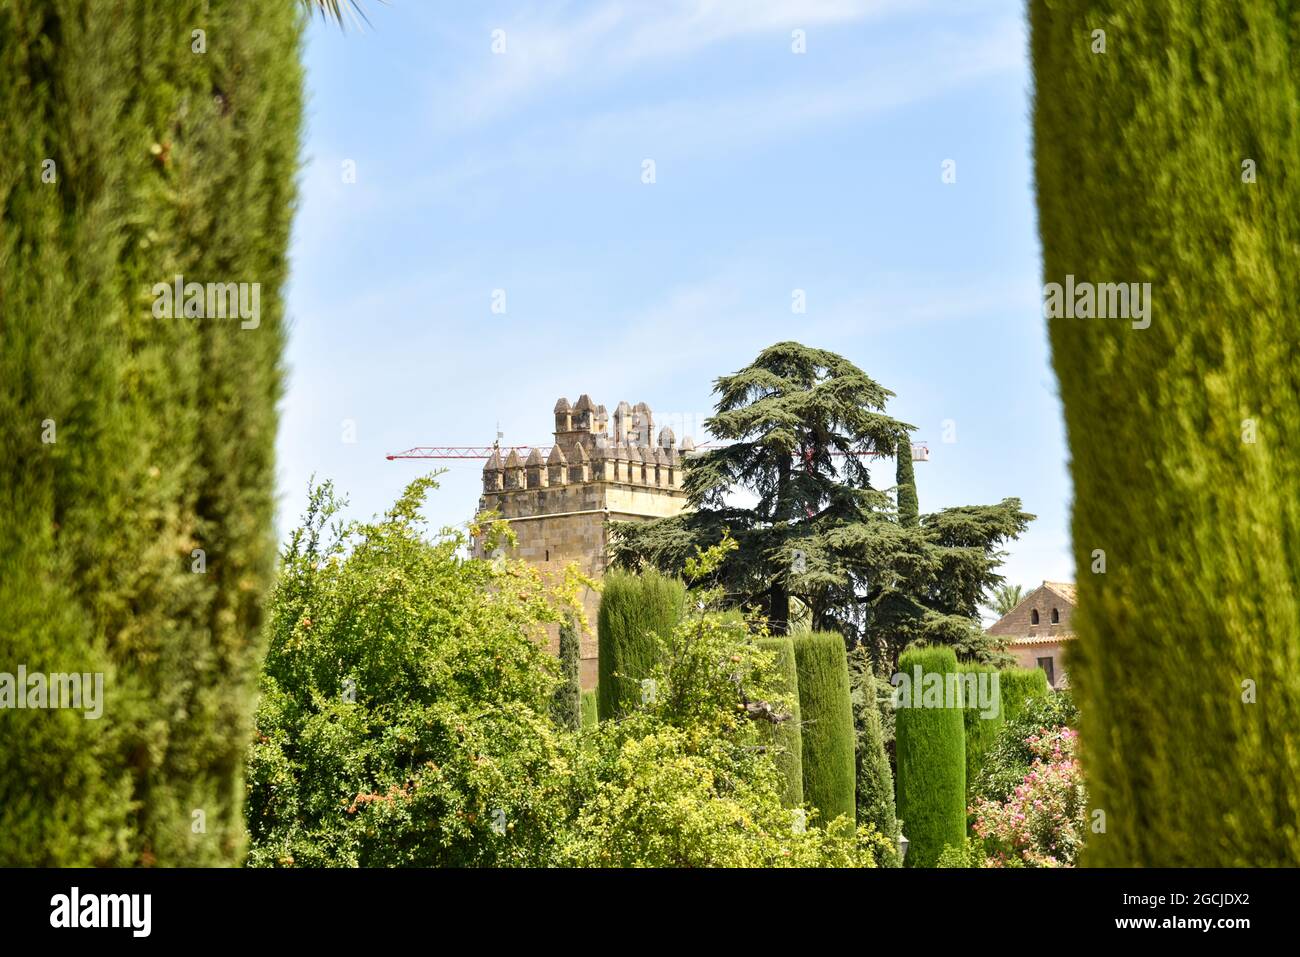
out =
column 137, row 453
column 1017, row 686
column 1007, row 761
column 1186, row 487
column 981, row 730
column 1043, row 821
column 786, row 739
column 875, row 782
column 827, row 714
column 931, row 764
column 968, row 854
column 589, row 708
column 405, row 700
column 566, row 705
column 683, row 782
column 404, row 721
column 637, row 611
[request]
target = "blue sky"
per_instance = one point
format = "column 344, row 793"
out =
column 774, row 171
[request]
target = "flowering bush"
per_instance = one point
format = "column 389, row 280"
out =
column 1041, row 823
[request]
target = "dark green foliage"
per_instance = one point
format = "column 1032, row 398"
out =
column 589, row 717
column 1182, row 434
column 827, row 714
column 819, row 536
column 1007, row 760
column 981, row 729
column 875, row 781
column 787, row 738
column 1018, row 686
column 566, row 704
column 905, row 478
column 931, row 766
column 637, row 611
column 166, row 162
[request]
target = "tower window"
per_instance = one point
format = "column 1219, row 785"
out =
column 1056, row 617
column 1033, row 617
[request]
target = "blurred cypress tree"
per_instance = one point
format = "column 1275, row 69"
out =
column 133, row 150
column 1165, row 138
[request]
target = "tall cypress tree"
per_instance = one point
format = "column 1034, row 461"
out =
column 905, row 478
column 139, row 142
column 1164, row 150
column 566, row 705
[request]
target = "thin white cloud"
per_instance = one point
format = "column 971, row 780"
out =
column 618, row 36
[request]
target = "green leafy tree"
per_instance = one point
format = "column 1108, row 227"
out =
column 137, row 466
column 797, row 424
column 1179, row 418
column 406, row 692
column 405, row 722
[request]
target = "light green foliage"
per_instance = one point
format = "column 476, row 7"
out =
column 967, row 854
column 589, row 715
column 405, row 702
column 129, row 441
column 636, row 612
column 1183, row 435
column 828, row 735
column 685, row 782
column 931, row 765
column 786, row 739
column 405, row 720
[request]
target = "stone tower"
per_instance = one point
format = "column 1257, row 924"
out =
column 597, row 471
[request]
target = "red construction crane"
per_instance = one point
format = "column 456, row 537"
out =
column 920, row 451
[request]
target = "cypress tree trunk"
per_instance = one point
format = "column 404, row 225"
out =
column 1170, row 159
column 136, row 451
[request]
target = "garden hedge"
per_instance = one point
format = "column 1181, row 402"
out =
column 137, row 451
column 827, row 733
column 787, row 738
column 931, row 754
column 589, row 708
column 1017, row 686
column 981, row 731
column 1170, row 159
column 636, row 609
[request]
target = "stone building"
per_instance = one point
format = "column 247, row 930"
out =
column 1039, row 629
column 599, row 470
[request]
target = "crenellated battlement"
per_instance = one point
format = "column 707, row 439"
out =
column 590, row 448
